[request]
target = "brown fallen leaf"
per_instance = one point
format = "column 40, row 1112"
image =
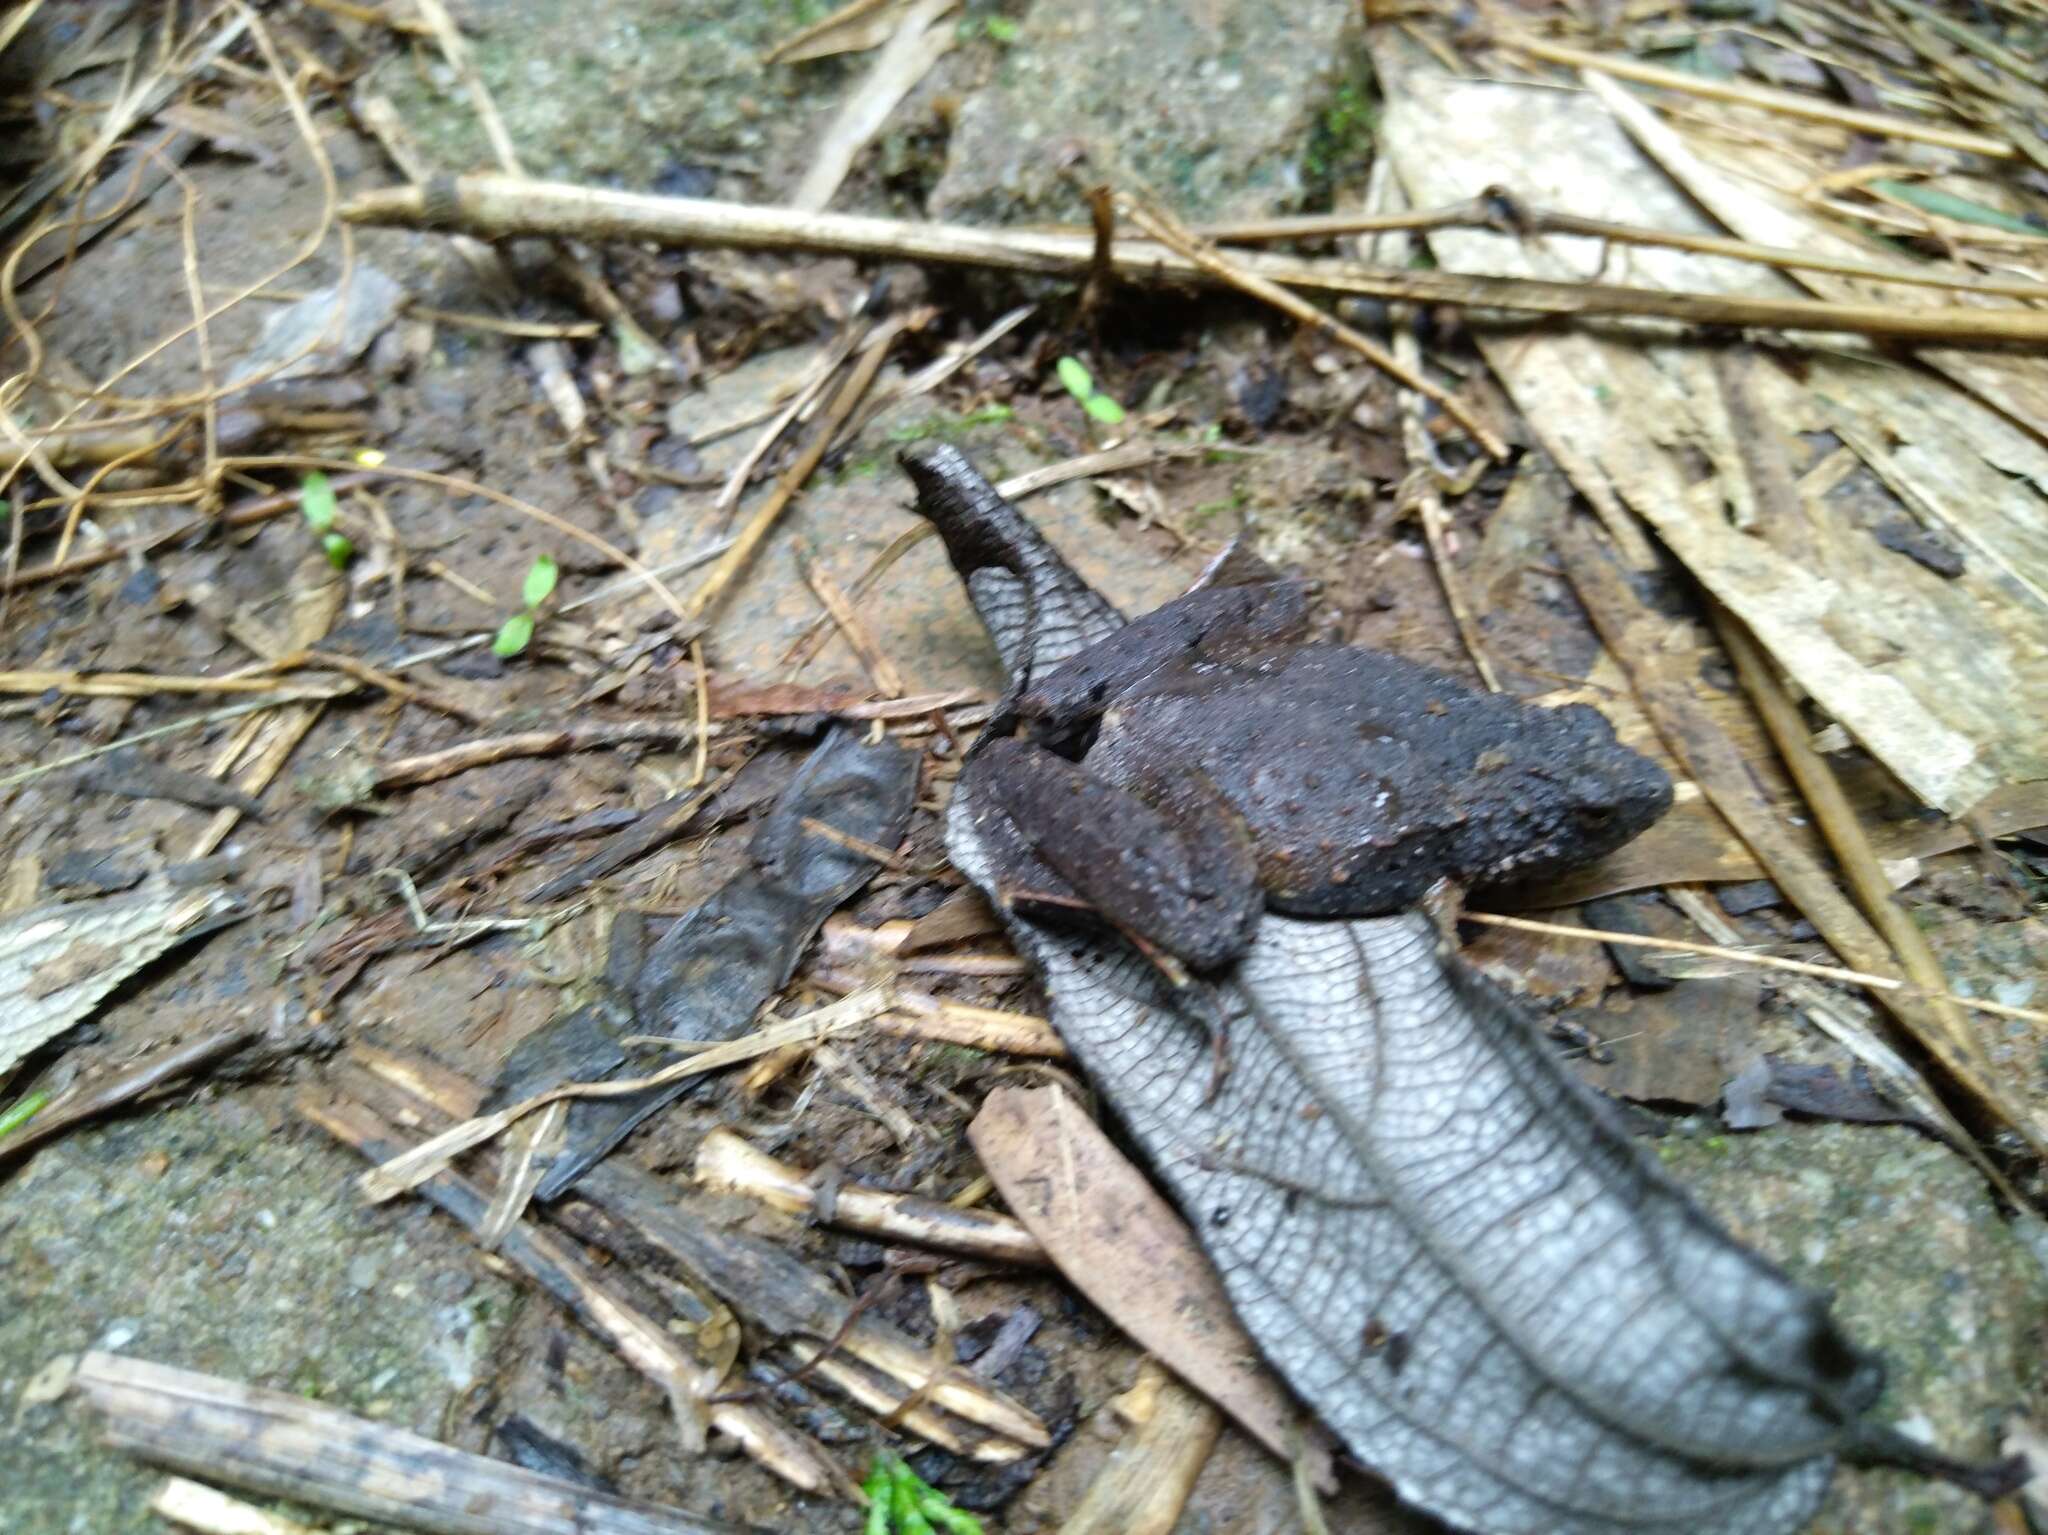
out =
column 1121, row 1245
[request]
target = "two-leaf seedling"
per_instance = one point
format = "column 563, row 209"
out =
column 317, row 501
column 900, row 1502
column 516, row 632
column 1080, row 383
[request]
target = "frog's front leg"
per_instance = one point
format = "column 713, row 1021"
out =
column 1184, row 886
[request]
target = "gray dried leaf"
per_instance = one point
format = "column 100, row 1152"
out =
column 1441, row 1240
column 59, row 962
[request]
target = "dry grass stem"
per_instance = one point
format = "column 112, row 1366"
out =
column 430, row 1157
column 1419, row 492
column 880, row 669
column 461, row 486
column 1767, row 99
column 1759, row 961
column 1843, row 829
column 1499, row 211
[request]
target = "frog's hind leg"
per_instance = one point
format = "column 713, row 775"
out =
column 1187, row 891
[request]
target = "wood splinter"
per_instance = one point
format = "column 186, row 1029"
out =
column 728, row 1163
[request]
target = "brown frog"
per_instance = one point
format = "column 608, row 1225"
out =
column 1201, row 764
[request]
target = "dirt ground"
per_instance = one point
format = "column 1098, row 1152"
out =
column 212, row 1227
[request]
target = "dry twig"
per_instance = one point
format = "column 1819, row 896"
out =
column 497, row 206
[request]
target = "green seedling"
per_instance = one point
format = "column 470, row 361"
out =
column 881, row 1495
column 516, row 632
column 317, row 501
column 900, row 1502
column 21, row 1111
column 1002, row 29
column 1080, row 383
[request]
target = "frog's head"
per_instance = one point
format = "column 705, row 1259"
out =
column 1592, row 792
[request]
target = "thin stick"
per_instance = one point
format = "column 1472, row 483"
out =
column 594, row 289
column 175, row 727
column 793, row 479
column 1419, row 490
column 1760, row 961
column 376, row 677
column 150, row 684
column 499, row 206
column 808, row 388
column 248, row 514
column 880, row 669
column 1170, row 232
column 579, row 735
column 728, row 1163
column 700, row 760
column 1786, row 103
column 905, row 59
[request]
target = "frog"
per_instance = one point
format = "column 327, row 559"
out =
column 1209, row 762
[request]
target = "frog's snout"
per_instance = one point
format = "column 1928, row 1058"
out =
column 1621, row 797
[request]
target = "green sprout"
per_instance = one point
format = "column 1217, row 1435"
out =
column 317, row 501
column 900, row 1502
column 516, row 632
column 1002, row 29
column 21, row 1111
column 1080, row 383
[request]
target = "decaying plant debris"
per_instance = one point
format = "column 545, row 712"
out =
column 498, row 949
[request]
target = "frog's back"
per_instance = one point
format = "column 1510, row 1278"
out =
column 1365, row 777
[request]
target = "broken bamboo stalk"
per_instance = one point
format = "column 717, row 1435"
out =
column 775, row 1291
column 633, row 1214
column 1143, row 1486
column 500, row 206
column 288, row 1447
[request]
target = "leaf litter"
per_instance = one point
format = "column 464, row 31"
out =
column 1787, row 480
